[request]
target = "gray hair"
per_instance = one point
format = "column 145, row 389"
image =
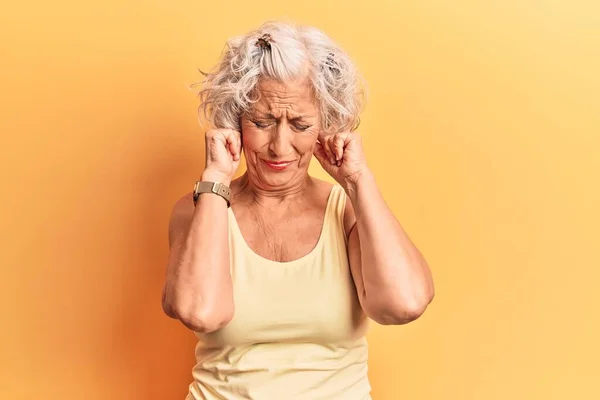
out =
column 291, row 52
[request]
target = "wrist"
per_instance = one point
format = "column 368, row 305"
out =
column 215, row 176
column 353, row 182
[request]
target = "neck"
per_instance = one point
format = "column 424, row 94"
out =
column 267, row 196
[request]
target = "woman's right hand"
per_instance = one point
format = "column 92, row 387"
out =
column 223, row 154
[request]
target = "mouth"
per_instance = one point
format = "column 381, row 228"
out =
column 277, row 165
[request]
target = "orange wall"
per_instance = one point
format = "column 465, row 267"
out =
column 483, row 130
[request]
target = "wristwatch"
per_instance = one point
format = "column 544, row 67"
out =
column 212, row 187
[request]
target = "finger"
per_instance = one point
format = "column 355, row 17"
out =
column 231, row 146
column 234, row 143
column 337, row 145
column 238, row 144
column 328, row 150
column 335, row 154
column 235, row 152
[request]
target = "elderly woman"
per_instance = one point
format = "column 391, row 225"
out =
column 277, row 272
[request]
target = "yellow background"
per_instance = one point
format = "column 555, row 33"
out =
column 483, row 130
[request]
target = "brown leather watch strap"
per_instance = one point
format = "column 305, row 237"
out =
column 212, row 187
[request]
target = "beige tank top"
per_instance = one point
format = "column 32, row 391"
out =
column 298, row 331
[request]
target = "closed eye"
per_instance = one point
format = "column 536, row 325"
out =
column 260, row 124
column 301, row 127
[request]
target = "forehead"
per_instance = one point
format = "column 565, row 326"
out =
column 296, row 97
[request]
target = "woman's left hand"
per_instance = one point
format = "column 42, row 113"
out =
column 341, row 155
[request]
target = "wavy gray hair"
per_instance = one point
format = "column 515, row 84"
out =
column 291, row 53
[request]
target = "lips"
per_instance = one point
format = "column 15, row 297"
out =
column 277, row 165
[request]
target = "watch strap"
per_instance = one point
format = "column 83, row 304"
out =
column 212, row 187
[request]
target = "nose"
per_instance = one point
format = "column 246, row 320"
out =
column 280, row 145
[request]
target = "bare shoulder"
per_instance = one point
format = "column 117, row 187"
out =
column 181, row 217
column 322, row 193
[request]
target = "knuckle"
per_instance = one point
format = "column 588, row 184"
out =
column 213, row 134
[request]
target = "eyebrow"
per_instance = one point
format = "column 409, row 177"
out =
column 271, row 116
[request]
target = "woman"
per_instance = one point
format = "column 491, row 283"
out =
column 278, row 287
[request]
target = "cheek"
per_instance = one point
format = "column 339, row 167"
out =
column 308, row 142
column 307, row 146
column 253, row 140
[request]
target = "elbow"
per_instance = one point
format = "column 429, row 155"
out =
column 400, row 312
column 396, row 317
column 205, row 321
column 167, row 306
column 200, row 319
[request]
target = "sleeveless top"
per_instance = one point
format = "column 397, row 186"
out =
column 298, row 331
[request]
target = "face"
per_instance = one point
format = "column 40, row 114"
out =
column 279, row 134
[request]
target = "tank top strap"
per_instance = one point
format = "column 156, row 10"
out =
column 336, row 205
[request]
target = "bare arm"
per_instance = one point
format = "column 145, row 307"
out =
column 198, row 288
column 393, row 280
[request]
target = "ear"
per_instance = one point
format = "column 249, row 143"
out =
column 319, row 152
